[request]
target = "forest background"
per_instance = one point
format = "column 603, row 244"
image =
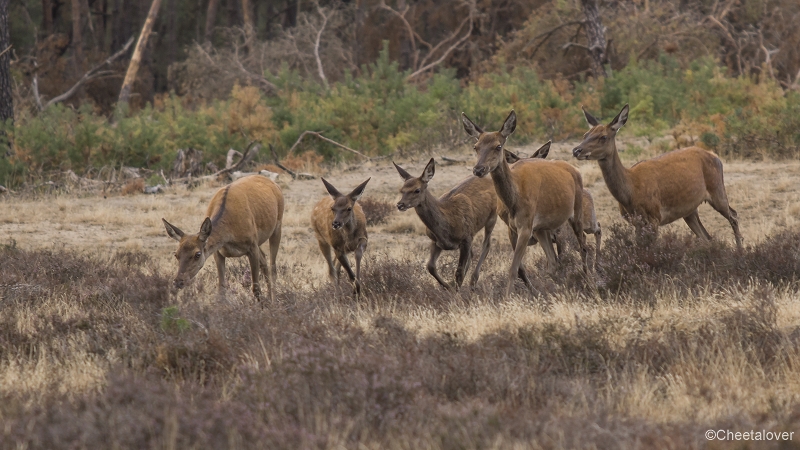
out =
column 385, row 77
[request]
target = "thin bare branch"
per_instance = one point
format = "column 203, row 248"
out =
column 93, row 73
column 320, row 136
column 267, row 86
column 447, row 52
column 412, row 35
column 547, row 34
column 6, row 50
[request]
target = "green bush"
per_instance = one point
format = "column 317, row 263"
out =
column 380, row 111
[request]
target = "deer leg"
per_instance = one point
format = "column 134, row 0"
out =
column 274, row 245
column 487, row 240
column 722, row 207
column 524, row 235
column 597, row 238
column 693, row 220
column 435, row 252
column 577, row 228
column 325, row 248
column 464, row 257
column 342, row 257
column 254, row 255
column 220, row 260
column 558, row 241
column 362, row 245
column 522, row 273
column 547, row 245
column 262, row 262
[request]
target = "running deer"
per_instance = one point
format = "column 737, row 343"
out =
column 661, row 190
column 539, row 195
column 453, row 219
column 340, row 225
column 240, row 217
column 590, row 223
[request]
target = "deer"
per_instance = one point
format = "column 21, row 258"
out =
column 240, row 217
column 340, row 225
column 660, row 190
column 590, row 223
column 539, row 195
column 453, row 219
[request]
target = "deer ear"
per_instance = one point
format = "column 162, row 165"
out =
column 620, row 120
column 205, row 230
column 403, row 174
column 173, row 231
column 543, row 151
column 331, row 190
column 590, row 119
column 358, row 191
column 430, row 169
column 511, row 158
column 509, row 125
column 470, row 127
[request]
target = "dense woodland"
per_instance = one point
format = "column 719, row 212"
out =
column 425, row 59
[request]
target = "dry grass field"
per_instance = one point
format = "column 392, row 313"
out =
column 671, row 338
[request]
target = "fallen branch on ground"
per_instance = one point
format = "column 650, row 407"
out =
column 292, row 173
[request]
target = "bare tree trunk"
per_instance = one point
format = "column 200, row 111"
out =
column 6, row 98
column 211, row 18
column 249, row 24
column 133, row 67
column 595, row 33
column 47, row 17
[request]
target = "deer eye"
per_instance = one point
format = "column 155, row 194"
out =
column 603, row 138
column 499, row 147
column 197, row 255
column 349, row 209
column 416, row 191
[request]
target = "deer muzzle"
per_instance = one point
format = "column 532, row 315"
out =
column 578, row 153
column 336, row 225
column 402, row 206
column 479, row 171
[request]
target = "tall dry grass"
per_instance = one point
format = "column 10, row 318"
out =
column 676, row 337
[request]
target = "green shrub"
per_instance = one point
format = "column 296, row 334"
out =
column 379, row 111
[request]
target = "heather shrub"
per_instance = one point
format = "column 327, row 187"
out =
column 376, row 211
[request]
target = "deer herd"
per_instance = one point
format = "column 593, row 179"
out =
column 538, row 199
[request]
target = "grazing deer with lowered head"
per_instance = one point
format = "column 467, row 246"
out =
column 240, row 217
column 590, row 223
column 453, row 219
column 661, row 190
column 340, row 225
column 539, row 195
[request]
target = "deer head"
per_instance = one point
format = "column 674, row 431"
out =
column 191, row 253
column 343, row 204
column 414, row 189
column 541, row 153
column 489, row 145
column 598, row 143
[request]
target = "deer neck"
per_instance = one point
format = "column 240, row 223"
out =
column 505, row 187
column 213, row 243
column 431, row 214
column 617, row 177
